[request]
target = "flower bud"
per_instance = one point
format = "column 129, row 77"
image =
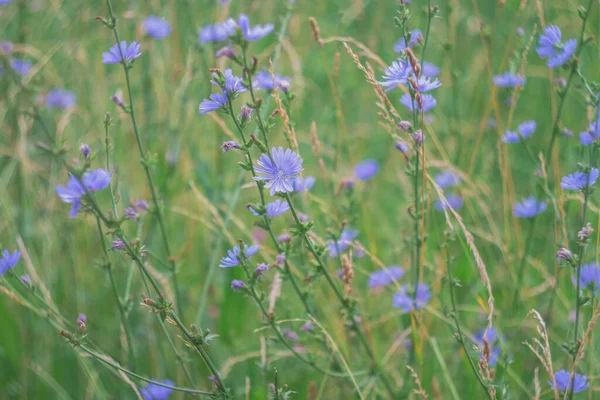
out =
column 563, row 254
column 85, row 151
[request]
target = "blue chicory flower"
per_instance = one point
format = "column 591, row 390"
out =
column 59, row 98
column 428, row 102
column 589, row 277
column 236, row 285
column 427, row 84
column 407, row 302
column 130, row 53
column 253, row 33
column 346, row 238
column 579, row 180
column 447, row 179
column 528, row 208
column 279, row 171
column 232, row 257
column 593, row 133
column 3, row 2
column 415, row 36
column 429, row 69
column 273, row 209
column 156, row 27
column 396, row 74
column 304, row 184
column 366, row 170
column 232, row 86
column 385, row 276
column 551, row 47
column 509, row 80
column 264, row 81
column 71, row 193
column 156, row 392
column 491, row 335
column 564, row 384
column 25, row 279
column 454, row 201
column 21, row 67
column 217, row 32
column 525, row 129
column 8, row 261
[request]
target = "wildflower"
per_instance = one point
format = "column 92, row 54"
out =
column 427, row 84
column 231, row 86
column 121, row 53
column 141, row 205
column 566, row 132
column 6, row 47
column 589, row 277
column 509, row 80
column 428, row 102
column 131, row 213
column 520, row 31
column 217, row 32
column 593, row 133
column 290, row 335
column 117, row 244
column 3, row 2
column 491, row 336
column 561, row 82
column 418, row 137
column 253, row 33
column 454, row 201
column 385, row 276
column 403, row 147
column 396, row 74
column 415, row 36
column 96, row 180
column 303, row 184
column 225, row 52
column 261, row 269
column 447, row 179
column 284, row 237
column 430, row 70
column 347, row 183
column 85, row 151
column 230, row 145
column 302, row 217
column 491, row 123
column 346, row 238
column 156, row 392
column 215, row 101
column 245, row 113
column 25, row 279
column 72, row 192
column 564, row 383
column 404, row 125
column 236, row 285
column 308, row 326
column 579, row 180
column 366, row 170
column 585, row 232
column 276, row 208
column 21, row 67
column 81, row 318
column 265, row 81
column 407, row 302
column 8, row 261
column 156, row 27
column 525, row 130
column 528, row 208
column 564, row 254
column 551, row 47
column 58, row 98
column 233, row 256
column 280, row 260
column 280, row 171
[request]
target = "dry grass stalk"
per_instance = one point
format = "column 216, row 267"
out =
column 542, row 349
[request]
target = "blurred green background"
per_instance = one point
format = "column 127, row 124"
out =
column 470, row 41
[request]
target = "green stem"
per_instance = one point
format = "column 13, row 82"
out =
column 521, row 270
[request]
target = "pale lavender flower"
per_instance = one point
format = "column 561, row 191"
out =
column 131, row 213
column 509, row 80
column 216, row 101
column 385, row 276
column 141, row 205
column 551, row 47
column 564, row 383
column 403, row 147
column 415, row 36
column 418, row 137
column 585, row 232
column 525, row 129
column 113, row 55
column 236, row 285
column 589, row 277
column 284, row 237
column 156, row 27
column 428, row 102
column 280, row 171
column 85, row 151
column 217, row 32
column 407, row 301
column 447, row 179
column 520, row 31
column 230, row 145
column 3, row 2
column 265, row 81
column 454, row 201
column 346, row 238
column 430, row 70
column 564, row 254
column 290, row 335
column 58, row 98
column 427, row 84
column 396, row 74
column 117, row 244
column 225, row 52
column 8, row 261
column 245, row 113
column 6, row 47
column 529, row 208
column 97, row 179
column 117, row 99
column 233, row 256
column 156, row 392
column 404, row 125
column 366, row 170
column 579, row 180
column 261, row 269
column 230, row 88
column 71, row 193
column 81, row 318
column 253, row 33
column 593, row 133
column 308, row 326
column 25, row 279
column 277, row 207
column 304, row 184
column 280, row 260
column 567, row 133
column 21, row 67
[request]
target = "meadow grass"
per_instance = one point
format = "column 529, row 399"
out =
column 158, row 306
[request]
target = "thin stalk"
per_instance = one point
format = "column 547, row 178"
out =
column 521, row 270
column 145, row 162
column 107, row 148
column 105, row 360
